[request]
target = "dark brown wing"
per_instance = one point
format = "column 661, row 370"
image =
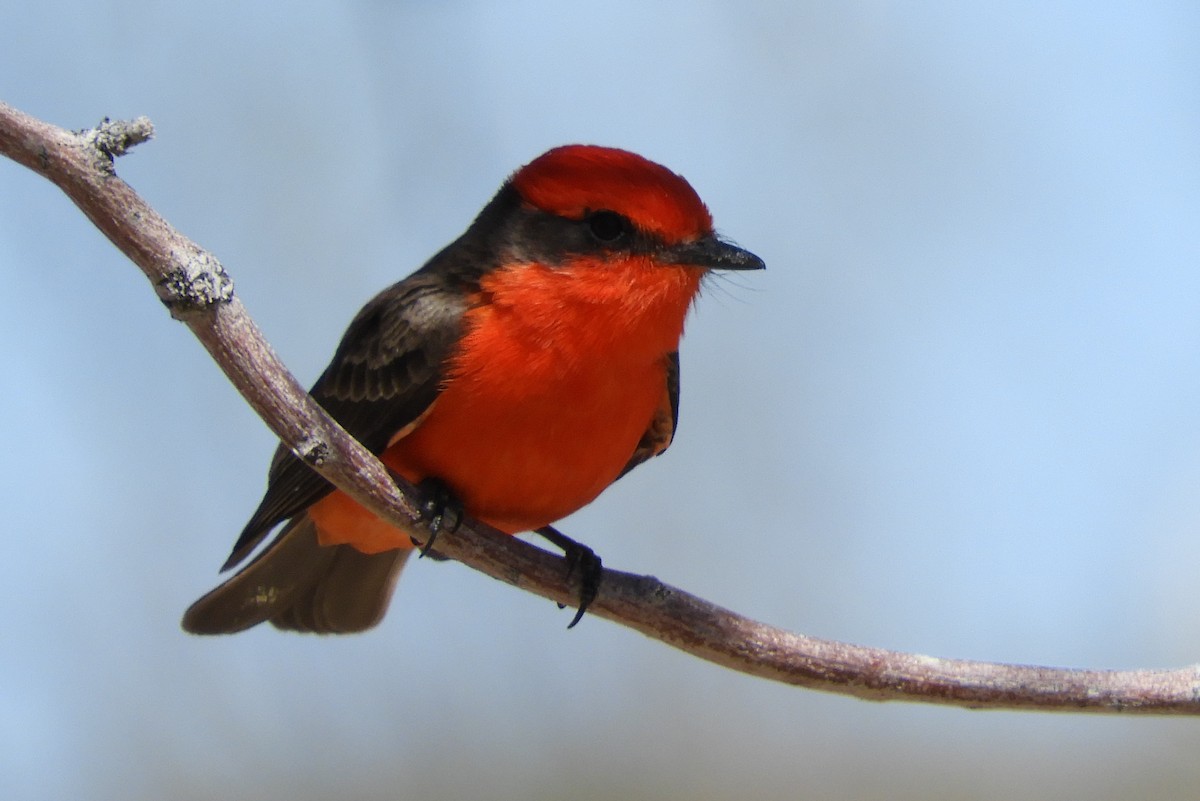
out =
column 385, row 374
column 662, row 427
column 388, row 367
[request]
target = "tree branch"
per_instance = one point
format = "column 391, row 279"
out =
column 197, row 290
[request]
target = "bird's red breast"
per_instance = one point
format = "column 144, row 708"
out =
column 533, row 423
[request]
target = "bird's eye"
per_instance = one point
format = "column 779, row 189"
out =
column 608, row 226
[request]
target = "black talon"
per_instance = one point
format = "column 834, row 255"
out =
column 579, row 558
column 441, row 510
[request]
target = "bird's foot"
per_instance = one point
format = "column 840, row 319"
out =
column 580, row 559
column 441, row 510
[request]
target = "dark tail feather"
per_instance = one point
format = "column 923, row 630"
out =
column 300, row 585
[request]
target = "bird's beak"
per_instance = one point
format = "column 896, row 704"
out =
column 714, row 254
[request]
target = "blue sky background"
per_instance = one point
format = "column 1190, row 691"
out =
column 957, row 415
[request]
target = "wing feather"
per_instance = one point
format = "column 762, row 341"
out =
column 386, row 373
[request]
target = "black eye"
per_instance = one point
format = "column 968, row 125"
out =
column 608, row 226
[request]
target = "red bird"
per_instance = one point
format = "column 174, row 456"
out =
column 524, row 368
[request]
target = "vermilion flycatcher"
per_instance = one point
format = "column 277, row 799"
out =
column 525, row 367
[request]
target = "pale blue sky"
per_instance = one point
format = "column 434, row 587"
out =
column 957, row 414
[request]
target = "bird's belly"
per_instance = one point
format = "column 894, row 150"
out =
column 517, row 460
column 527, row 461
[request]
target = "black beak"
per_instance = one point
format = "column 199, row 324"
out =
column 714, row 254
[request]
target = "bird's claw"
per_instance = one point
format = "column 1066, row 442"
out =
column 441, row 510
column 581, row 560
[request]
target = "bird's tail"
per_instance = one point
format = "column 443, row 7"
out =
column 300, row 585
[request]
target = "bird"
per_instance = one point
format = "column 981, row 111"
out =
column 522, row 370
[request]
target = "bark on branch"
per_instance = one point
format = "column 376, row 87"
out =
column 197, row 290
